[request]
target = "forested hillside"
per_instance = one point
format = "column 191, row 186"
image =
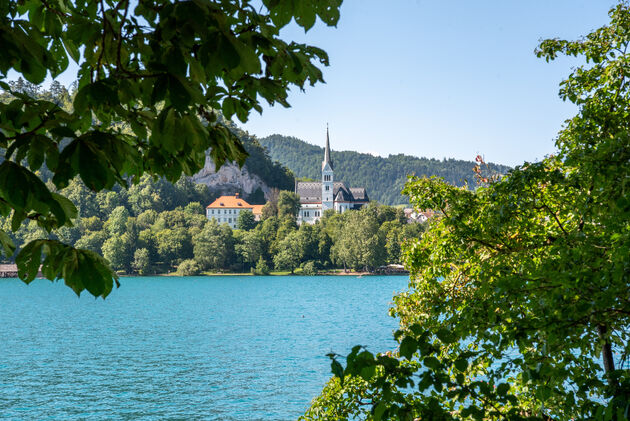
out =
column 259, row 170
column 382, row 177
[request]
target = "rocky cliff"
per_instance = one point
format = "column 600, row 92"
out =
column 231, row 179
column 254, row 181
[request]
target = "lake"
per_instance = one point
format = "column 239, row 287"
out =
column 228, row 347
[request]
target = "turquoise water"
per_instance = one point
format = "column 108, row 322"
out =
column 228, row 348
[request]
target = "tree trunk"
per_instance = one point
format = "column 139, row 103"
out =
column 607, row 356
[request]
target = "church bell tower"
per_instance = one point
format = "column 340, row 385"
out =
column 327, row 177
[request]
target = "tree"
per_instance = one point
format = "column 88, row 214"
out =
column 261, row 267
column 518, row 307
column 246, row 220
column 213, row 246
column 92, row 240
column 117, row 222
column 141, row 261
column 288, row 204
column 250, row 247
column 289, row 253
column 392, row 232
column 360, row 245
column 173, row 245
column 271, row 207
column 117, row 252
column 155, row 69
column 194, row 208
column 188, row 267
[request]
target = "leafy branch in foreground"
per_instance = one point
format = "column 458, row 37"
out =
column 151, row 73
column 519, row 303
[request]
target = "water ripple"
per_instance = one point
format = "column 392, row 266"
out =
column 228, row 348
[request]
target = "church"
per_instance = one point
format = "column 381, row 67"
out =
column 317, row 197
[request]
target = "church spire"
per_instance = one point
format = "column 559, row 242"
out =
column 327, row 159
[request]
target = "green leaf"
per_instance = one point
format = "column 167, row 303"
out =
column 69, row 210
column 337, row 369
column 502, row 389
column 408, row 346
column 7, row 244
column 461, row 364
column 432, row 363
column 445, row 336
column 368, row 372
column 378, row 411
column 93, row 168
column 35, row 156
column 72, row 50
column 29, row 259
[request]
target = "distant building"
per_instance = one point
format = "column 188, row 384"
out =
column 257, row 211
column 227, row 208
column 417, row 216
column 316, row 197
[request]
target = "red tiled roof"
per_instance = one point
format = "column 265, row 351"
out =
column 257, row 209
column 229, row 202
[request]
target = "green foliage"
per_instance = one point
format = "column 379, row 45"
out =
column 173, row 245
column 151, row 75
column 213, row 246
column 360, row 243
column 288, row 204
column 249, row 246
column 259, row 163
column 189, row 267
column 261, row 267
column 383, row 178
column 117, row 251
column 158, row 240
column 117, row 222
column 194, row 208
column 141, row 261
column 309, row 268
column 290, row 253
column 246, row 220
column 518, row 307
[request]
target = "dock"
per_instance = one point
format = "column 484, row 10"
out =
column 8, row 271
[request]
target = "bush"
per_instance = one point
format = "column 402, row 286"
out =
column 309, row 268
column 261, row 267
column 188, row 267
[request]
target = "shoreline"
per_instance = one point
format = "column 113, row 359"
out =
column 341, row 273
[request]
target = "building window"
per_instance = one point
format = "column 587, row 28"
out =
column 230, row 221
column 327, row 188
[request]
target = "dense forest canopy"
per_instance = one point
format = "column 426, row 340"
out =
column 157, row 226
column 383, row 178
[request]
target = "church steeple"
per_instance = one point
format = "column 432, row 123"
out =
column 328, row 187
column 327, row 159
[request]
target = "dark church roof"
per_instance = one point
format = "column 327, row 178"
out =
column 311, row 192
column 327, row 158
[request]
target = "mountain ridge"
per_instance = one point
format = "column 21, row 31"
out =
column 383, row 177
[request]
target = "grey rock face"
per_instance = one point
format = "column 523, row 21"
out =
column 229, row 179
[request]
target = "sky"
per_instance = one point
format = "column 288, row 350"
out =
column 438, row 79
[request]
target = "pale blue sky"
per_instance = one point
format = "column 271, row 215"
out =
column 438, row 78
